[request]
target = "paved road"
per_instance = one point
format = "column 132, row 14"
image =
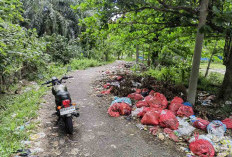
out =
column 96, row 134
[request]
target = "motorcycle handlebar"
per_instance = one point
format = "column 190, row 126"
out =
column 63, row 78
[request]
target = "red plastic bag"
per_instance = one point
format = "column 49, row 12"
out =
column 106, row 85
column 118, row 109
column 145, row 109
column 151, row 117
column 152, row 92
column 138, row 91
column 228, row 122
column 124, row 109
column 177, row 100
column 168, row 120
column 113, row 110
column 157, row 101
column 185, row 111
column 154, row 130
column 202, row 148
column 135, row 96
column 142, row 103
column 171, row 134
column 174, row 107
column 107, row 91
column 201, row 124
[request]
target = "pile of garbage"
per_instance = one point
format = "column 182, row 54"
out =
column 176, row 119
column 138, row 99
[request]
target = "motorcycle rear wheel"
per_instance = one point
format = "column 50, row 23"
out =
column 69, row 125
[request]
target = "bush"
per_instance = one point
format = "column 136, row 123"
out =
column 61, row 49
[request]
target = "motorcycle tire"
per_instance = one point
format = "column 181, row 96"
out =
column 69, row 125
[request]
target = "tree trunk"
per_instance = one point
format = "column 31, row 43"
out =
column 137, row 54
column 197, row 53
column 226, row 88
column 214, row 51
column 148, row 57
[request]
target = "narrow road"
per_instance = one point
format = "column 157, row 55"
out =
column 96, row 134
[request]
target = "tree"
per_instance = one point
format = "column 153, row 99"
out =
column 52, row 16
column 197, row 53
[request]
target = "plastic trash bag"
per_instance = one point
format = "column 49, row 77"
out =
column 184, row 127
column 157, row 101
column 201, row 124
column 185, row 111
column 118, row 109
column 136, row 112
column 122, row 99
column 228, row 122
column 202, row 148
column 177, row 100
column 142, row 103
column 135, row 96
column 168, row 120
column 174, row 107
column 216, row 128
column 151, row 117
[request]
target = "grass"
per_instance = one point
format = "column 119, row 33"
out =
column 213, row 65
column 16, row 114
column 17, row 111
column 80, row 64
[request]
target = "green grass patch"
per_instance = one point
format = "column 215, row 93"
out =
column 80, row 64
column 16, row 113
column 129, row 59
column 213, row 65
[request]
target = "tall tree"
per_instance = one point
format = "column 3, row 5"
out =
column 197, row 52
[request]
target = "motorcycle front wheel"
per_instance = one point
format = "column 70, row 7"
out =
column 69, row 125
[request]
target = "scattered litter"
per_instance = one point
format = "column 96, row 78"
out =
column 107, row 91
column 171, row 134
column 228, row 102
column 37, row 136
column 199, row 123
column 136, row 112
column 184, row 127
column 154, row 130
column 141, row 127
column 161, row 136
column 23, row 152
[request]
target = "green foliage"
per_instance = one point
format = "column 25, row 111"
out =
column 51, row 16
column 16, row 114
column 61, row 49
column 174, row 74
column 211, row 83
column 79, row 64
column 21, row 52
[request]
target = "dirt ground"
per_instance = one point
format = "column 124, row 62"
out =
column 95, row 132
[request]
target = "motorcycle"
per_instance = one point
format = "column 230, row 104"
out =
column 65, row 109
